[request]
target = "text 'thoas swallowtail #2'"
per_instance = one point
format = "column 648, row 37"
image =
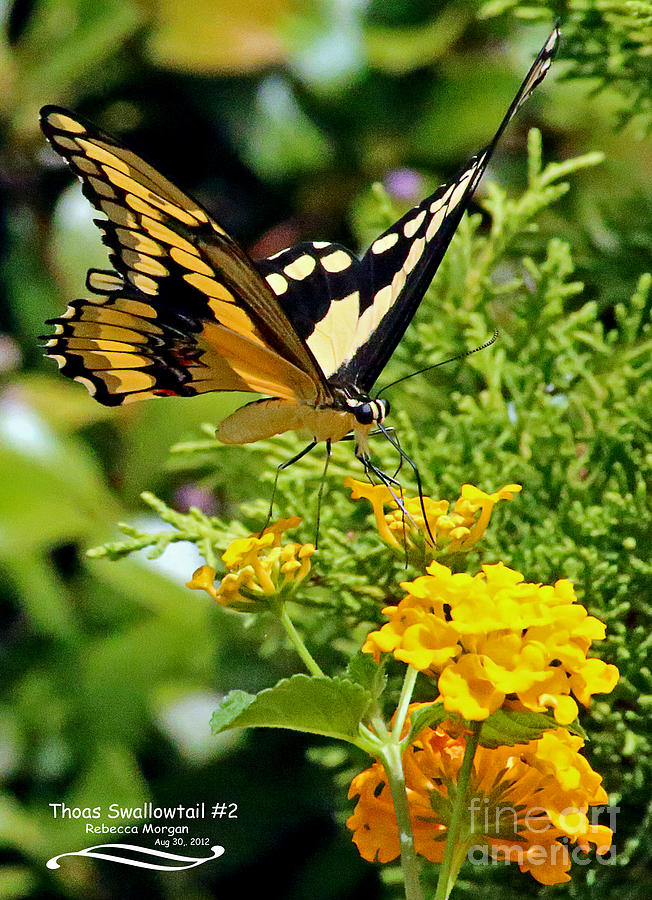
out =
column 186, row 311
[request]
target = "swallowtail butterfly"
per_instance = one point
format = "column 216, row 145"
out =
column 185, row 310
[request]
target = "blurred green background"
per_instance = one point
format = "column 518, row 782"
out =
column 278, row 116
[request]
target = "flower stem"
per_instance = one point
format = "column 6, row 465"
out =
column 453, row 859
column 297, row 641
column 404, row 700
column 393, row 764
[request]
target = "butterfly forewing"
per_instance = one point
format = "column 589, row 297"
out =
column 400, row 264
column 318, row 286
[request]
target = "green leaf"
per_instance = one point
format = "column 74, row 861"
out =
column 507, row 727
column 319, row 705
column 371, row 675
column 427, row 717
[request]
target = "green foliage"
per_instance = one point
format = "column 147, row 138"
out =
column 329, row 706
column 607, row 41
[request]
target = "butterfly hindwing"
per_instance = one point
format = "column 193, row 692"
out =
column 122, row 348
column 168, row 251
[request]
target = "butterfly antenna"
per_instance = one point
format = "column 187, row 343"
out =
column 395, row 443
column 492, row 340
column 279, row 469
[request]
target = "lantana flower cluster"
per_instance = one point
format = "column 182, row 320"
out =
column 454, row 531
column 527, row 804
column 258, row 568
column 493, row 637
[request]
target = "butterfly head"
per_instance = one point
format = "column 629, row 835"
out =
column 366, row 411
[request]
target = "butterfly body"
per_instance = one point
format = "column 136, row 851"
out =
column 185, row 310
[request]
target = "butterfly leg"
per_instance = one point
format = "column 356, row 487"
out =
column 279, row 469
column 394, row 441
column 321, row 489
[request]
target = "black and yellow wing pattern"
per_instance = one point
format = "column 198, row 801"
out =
column 360, row 308
column 185, row 310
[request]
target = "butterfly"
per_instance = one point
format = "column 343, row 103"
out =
column 185, row 311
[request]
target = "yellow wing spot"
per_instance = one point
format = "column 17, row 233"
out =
column 416, row 251
column 301, row 267
column 209, row 286
column 149, row 176
column 410, row 228
column 319, row 245
column 436, row 205
column 103, row 156
column 143, row 283
column 144, row 263
column 97, row 345
column 98, row 361
column 106, row 315
column 336, row 262
column 277, row 283
column 133, row 187
column 88, row 384
column 119, row 214
column 59, row 360
column 382, row 302
column 135, row 307
column 96, row 331
column 140, row 206
column 384, row 243
column 435, row 224
column 398, row 282
column 231, row 316
column 158, row 230
column 190, row 261
column 87, row 166
column 332, row 338
column 102, row 188
column 102, row 281
column 459, row 190
column 66, row 142
column 139, row 242
column 58, row 120
column 68, row 313
column 125, row 381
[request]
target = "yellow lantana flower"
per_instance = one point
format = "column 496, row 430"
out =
column 493, row 636
column 522, row 800
column 455, row 531
column 258, row 568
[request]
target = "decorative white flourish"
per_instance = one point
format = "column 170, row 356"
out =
column 190, row 861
